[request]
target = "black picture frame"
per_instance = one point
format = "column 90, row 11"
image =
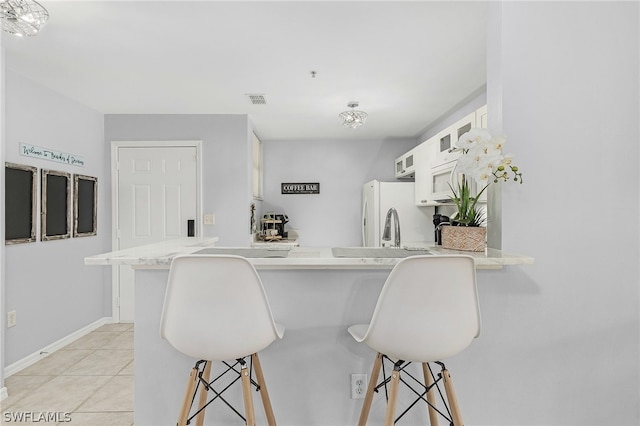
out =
column 20, row 203
column 85, row 205
column 55, row 205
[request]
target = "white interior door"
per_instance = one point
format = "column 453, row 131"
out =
column 156, row 196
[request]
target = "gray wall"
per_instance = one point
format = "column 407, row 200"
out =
column 560, row 338
column 47, row 284
column 225, row 159
column 341, row 166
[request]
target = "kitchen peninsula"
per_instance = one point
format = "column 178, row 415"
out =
column 313, row 292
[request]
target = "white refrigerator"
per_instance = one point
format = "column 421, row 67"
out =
column 416, row 223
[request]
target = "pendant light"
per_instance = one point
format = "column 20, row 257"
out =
column 22, row 17
column 353, row 118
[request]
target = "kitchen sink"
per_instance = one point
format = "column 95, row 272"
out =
column 246, row 252
column 378, row 252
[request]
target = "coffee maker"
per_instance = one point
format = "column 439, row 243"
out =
column 281, row 220
column 273, row 224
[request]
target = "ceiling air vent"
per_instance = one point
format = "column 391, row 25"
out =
column 257, row 98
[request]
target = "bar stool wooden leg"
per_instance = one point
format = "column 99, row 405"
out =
column 368, row 398
column 188, row 397
column 264, row 394
column 203, row 394
column 393, row 397
column 431, row 396
column 451, row 397
column 246, row 396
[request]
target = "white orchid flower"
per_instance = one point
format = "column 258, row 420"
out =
column 483, row 177
column 507, row 160
column 497, row 142
column 473, row 137
column 466, row 162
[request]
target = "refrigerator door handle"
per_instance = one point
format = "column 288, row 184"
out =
column 364, row 223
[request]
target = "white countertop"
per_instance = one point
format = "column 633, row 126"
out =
column 152, row 254
column 159, row 255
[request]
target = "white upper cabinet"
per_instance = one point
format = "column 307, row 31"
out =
column 424, row 154
column 405, row 165
column 433, row 164
column 449, row 137
column 481, row 117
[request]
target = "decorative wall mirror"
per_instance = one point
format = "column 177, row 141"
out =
column 85, row 204
column 55, row 220
column 20, row 189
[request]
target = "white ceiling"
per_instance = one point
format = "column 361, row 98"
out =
column 407, row 63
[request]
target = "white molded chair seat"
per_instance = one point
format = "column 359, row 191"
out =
column 427, row 311
column 216, row 309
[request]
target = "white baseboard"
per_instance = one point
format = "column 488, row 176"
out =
column 3, row 394
column 49, row 349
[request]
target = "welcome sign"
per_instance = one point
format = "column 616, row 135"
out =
column 300, row 188
column 51, row 155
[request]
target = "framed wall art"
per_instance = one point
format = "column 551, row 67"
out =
column 20, row 189
column 55, row 220
column 85, row 204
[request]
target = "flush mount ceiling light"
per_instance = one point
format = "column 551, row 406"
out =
column 22, row 17
column 352, row 118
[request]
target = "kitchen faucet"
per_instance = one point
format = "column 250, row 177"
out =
column 386, row 234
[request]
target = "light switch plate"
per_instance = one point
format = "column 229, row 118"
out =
column 11, row 319
column 209, row 219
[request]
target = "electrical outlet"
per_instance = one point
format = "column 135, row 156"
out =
column 358, row 386
column 11, row 319
column 209, row 219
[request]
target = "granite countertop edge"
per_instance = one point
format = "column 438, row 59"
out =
column 160, row 255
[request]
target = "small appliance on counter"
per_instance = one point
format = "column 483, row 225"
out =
column 438, row 221
column 272, row 227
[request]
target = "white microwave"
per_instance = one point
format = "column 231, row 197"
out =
column 441, row 177
column 444, row 175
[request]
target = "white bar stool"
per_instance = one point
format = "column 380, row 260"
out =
column 216, row 309
column 427, row 311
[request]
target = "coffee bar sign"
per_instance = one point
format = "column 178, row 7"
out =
column 300, row 188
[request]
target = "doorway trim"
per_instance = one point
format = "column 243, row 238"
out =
column 115, row 145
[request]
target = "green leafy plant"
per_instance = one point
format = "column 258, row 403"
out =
column 467, row 214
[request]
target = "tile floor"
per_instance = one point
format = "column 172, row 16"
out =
column 91, row 379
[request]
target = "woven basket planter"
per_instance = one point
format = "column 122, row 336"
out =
column 468, row 238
